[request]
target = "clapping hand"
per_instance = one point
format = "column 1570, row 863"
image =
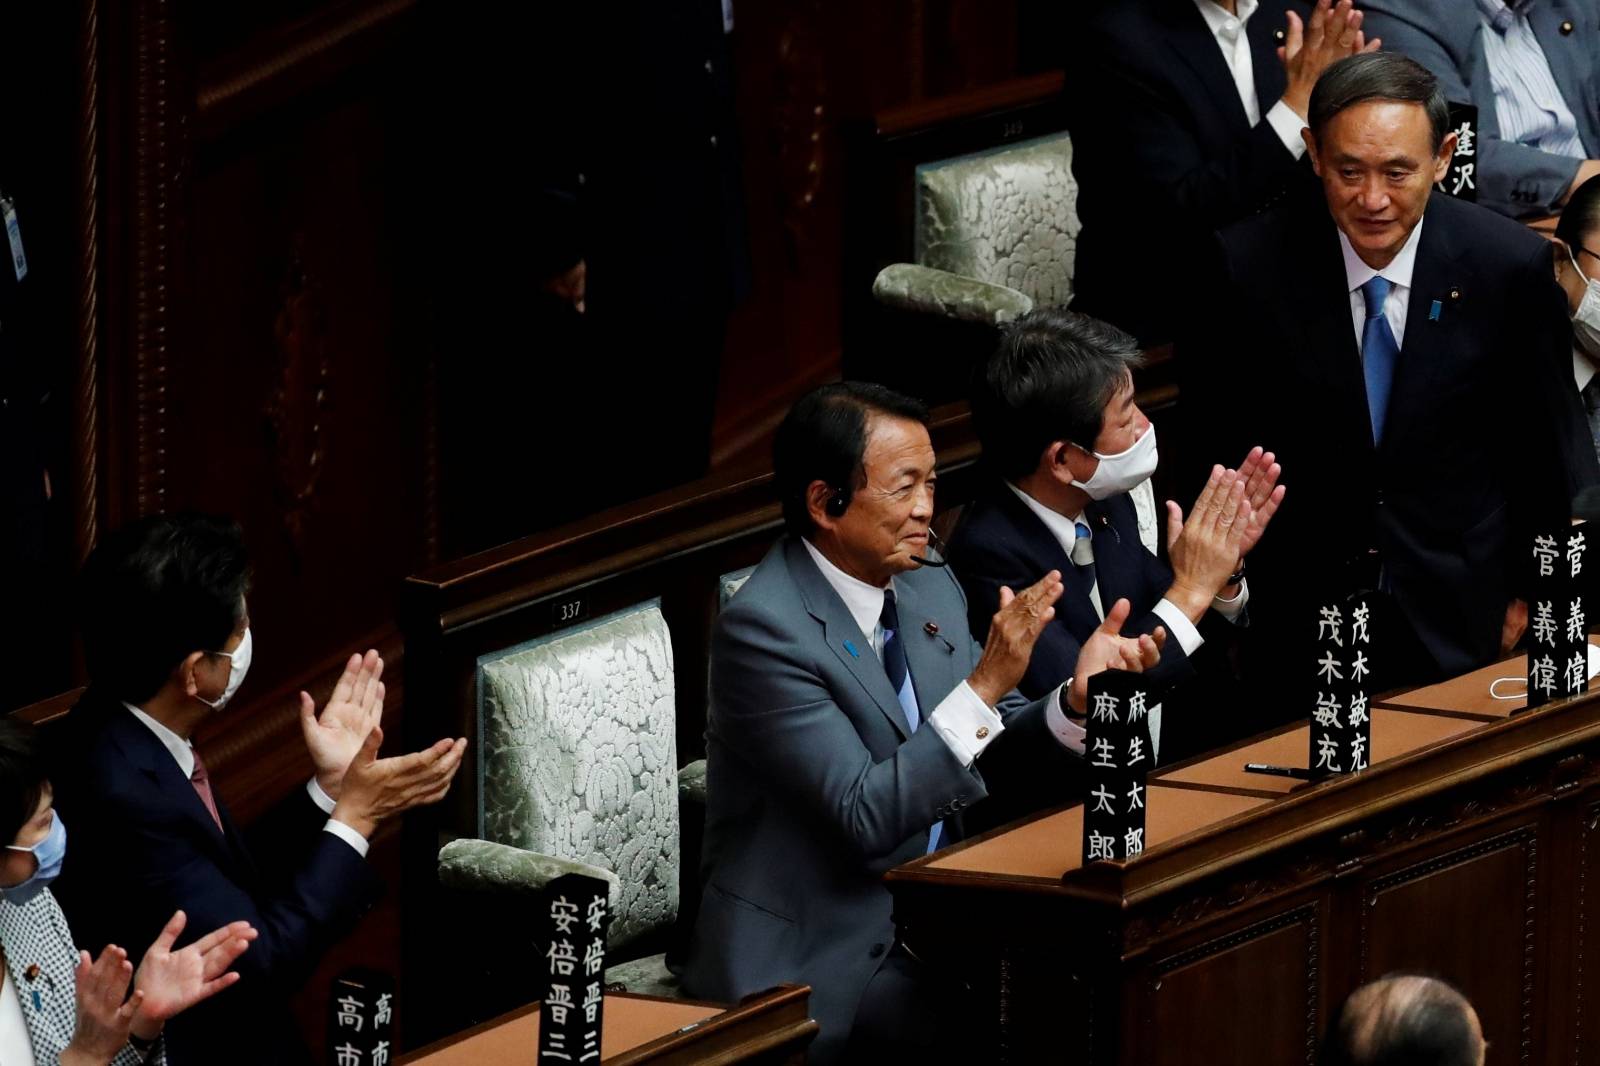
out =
column 1259, row 472
column 1108, row 649
column 1333, row 33
column 356, row 706
column 1205, row 547
column 375, row 789
column 105, row 1010
column 1012, row 633
column 172, row 981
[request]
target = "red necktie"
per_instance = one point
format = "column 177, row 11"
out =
column 202, row 785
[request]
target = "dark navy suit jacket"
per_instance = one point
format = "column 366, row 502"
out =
column 142, row 845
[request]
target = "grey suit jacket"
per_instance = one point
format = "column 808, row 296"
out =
column 35, row 935
column 815, row 788
column 1445, row 37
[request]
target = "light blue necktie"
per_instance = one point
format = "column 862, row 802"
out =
column 1378, row 353
column 899, row 671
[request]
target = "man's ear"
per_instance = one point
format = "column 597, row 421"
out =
column 1441, row 162
column 1559, row 254
column 1056, row 461
column 1311, row 150
column 818, row 493
column 185, row 672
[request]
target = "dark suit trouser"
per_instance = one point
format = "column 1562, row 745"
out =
column 908, row 1007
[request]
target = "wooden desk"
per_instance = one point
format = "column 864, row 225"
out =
column 1468, row 696
column 1464, row 851
column 773, row 1027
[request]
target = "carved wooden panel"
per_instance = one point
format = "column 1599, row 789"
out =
column 1475, row 906
column 1193, row 1005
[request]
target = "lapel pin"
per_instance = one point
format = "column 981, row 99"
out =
column 1455, row 294
column 32, row 972
column 932, row 629
column 1434, row 310
column 1566, row 28
column 1278, row 35
column 851, row 648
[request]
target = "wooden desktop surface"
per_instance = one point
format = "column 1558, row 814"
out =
column 1394, row 733
column 1468, row 695
column 1053, row 845
column 629, row 1022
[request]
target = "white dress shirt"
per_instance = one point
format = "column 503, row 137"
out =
column 183, row 752
column 14, row 1043
column 1229, row 31
column 1398, row 273
column 964, row 722
column 1582, row 367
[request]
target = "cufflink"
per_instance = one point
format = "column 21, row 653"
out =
column 1566, row 28
column 983, row 731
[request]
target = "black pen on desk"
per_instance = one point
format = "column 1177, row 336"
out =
column 1296, row 772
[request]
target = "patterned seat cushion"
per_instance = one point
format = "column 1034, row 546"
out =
column 579, row 757
column 1007, row 217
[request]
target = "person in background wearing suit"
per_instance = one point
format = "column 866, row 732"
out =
column 1404, row 1020
column 854, row 721
column 1577, row 254
column 1185, row 115
column 1531, row 68
column 1410, row 357
column 1054, row 408
column 166, row 634
column 56, row 1006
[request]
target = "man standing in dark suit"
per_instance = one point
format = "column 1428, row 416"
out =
column 1185, row 116
column 167, row 638
column 1410, row 357
column 1065, row 443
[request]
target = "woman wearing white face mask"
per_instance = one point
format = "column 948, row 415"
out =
column 57, row 1006
column 1577, row 258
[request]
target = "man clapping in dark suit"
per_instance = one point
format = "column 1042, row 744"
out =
column 1410, row 358
column 168, row 643
column 1065, row 442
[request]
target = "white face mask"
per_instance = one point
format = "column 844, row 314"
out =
column 1119, row 473
column 1586, row 320
column 238, row 666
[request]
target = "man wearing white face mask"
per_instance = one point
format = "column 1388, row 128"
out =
column 168, row 643
column 1055, row 412
column 1577, row 259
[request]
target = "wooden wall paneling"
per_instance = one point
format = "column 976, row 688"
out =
column 1246, row 995
column 1575, row 961
column 1484, row 896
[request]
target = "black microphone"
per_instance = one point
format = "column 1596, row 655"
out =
column 934, row 541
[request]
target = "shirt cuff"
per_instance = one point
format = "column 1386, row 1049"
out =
column 965, row 723
column 348, row 835
column 1179, row 627
column 1287, row 125
column 319, row 797
column 1232, row 609
column 1071, row 734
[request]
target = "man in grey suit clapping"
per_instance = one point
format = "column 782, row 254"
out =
column 853, row 723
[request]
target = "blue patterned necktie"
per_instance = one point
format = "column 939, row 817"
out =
column 894, row 662
column 1378, row 353
column 1082, row 555
column 895, row 665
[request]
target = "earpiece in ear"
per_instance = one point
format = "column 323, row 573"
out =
column 837, row 503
